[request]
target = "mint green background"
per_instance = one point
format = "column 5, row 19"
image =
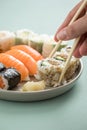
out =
column 66, row 112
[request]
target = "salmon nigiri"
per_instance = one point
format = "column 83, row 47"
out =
column 28, row 61
column 29, row 50
column 10, row 61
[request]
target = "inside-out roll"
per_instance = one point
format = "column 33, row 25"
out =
column 50, row 69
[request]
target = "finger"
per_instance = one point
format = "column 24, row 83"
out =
column 70, row 16
column 68, row 19
column 83, row 48
column 77, row 49
column 74, row 30
column 76, row 52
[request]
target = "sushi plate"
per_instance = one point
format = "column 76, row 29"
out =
column 15, row 95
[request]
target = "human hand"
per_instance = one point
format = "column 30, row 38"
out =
column 77, row 28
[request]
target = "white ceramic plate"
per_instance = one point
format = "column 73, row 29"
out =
column 43, row 94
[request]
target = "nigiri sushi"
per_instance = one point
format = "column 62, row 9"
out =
column 29, row 50
column 10, row 61
column 9, row 78
column 28, row 61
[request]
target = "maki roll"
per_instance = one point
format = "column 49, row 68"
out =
column 36, row 42
column 73, row 65
column 6, row 40
column 9, row 78
column 22, row 36
column 50, row 69
column 49, row 44
column 28, row 37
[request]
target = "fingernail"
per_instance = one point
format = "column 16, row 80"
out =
column 62, row 35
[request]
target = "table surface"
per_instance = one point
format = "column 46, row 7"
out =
column 65, row 112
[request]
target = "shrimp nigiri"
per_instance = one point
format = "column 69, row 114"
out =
column 10, row 61
column 29, row 50
column 28, row 61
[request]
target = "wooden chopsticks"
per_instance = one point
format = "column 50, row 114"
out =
column 68, row 59
column 74, row 45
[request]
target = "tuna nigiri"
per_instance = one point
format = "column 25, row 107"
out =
column 29, row 50
column 28, row 61
column 10, row 61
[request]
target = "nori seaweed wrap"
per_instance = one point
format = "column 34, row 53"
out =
column 2, row 67
column 9, row 78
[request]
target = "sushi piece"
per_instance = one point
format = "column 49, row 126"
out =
column 28, row 37
column 26, row 59
column 6, row 40
column 36, row 41
column 22, row 36
column 73, row 65
column 9, row 78
column 33, row 86
column 2, row 67
column 10, row 61
column 50, row 69
column 49, row 45
column 29, row 50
